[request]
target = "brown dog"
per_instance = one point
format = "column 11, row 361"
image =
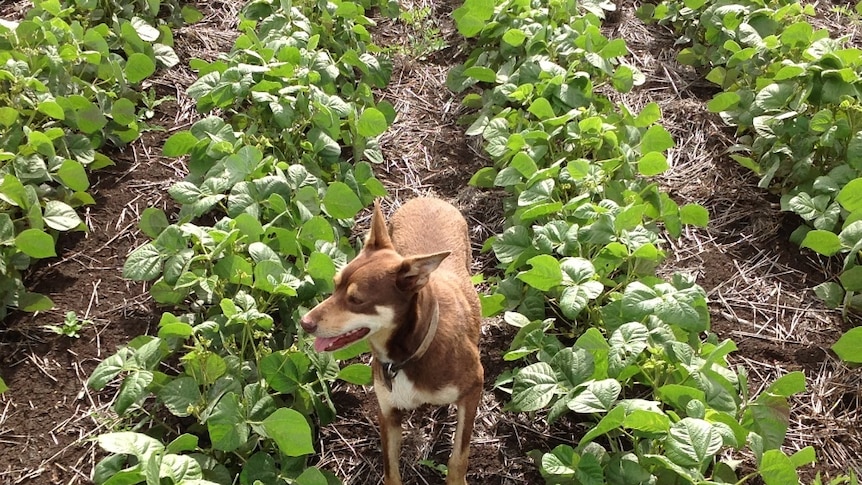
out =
column 409, row 292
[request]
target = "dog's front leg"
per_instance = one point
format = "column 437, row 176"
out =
column 466, row 409
column 390, row 438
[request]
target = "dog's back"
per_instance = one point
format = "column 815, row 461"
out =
column 428, row 225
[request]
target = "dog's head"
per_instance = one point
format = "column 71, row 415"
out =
column 372, row 293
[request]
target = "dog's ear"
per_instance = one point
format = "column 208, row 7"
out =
column 378, row 236
column 416, row 270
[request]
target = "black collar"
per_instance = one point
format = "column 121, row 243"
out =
column 391, row 369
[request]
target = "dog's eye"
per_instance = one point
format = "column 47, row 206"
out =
column 354, row 300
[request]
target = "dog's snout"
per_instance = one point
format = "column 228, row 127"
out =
column 307, row 324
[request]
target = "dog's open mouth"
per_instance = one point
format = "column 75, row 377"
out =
column 325, row 344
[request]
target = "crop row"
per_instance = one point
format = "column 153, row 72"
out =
column 278, row 168
column 600, row 335
column 69, row 86
column 792, row 92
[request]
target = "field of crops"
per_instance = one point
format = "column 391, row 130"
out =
column 665, row 202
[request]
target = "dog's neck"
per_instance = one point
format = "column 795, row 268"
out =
column 412, row 338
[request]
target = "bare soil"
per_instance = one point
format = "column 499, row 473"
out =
column 758, row 282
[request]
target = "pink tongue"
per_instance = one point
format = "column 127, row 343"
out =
column 323, row 343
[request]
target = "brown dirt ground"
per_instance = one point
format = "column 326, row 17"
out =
column 757, row 281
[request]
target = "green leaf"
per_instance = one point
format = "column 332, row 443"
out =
column 472, row 16
column 226, row 424
column 723, row 102
column 341, row 202
column 627, row 343
column 372, row 122
column 611, row 421
column 123, row 112
column 624, row 78
column 847, row 347
column 235, row 269
column 8, row 116
column 692, row 442
column 35, row 243
column 180, row 395
column 165, row 55
column 775, row 96
column 90, row 118
column 514, row 37
column 854, row 151
column 851, row 279
column 831, row 293
column 180, row 469
column 545, row 273
column 656, row 139
column 823, row 242
column 541, row 108
column 73, row 175
column 694, row 214
column 7, row 230
column 598, row 397
column 769, row 418
column 153, row 222
column 652, row 163
column 312, row 476
column 320, row 266
column 788, row 384
column 481, row 73
column 138, row 445
column 573, row 366
column 139, row 67
column 359, row 374
column 132, row 390
column 647, row 421
column 821, row 121
column 648, row 115
column 145, row 31
column 191, row 15
column 52, row 109
column 12, row 191
column 283, row 370
column 777, row 469
column 60, row 216
column 3, row 386
column 291, row 432
column 534, row 387
column 108, row 369
column 34, row 302
column 850, row 196
column 576, row 297
column 143, row 264
column 561, row 462
column 484, row 177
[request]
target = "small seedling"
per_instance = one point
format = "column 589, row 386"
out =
column 438, row 467
column 71, row 326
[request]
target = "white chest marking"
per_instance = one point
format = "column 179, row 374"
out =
column 404, row 395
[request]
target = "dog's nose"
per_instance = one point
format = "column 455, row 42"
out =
column 307, row 324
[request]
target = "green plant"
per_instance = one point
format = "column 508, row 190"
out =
column 847, row 347
column 281, row 174
column 66, row 89
column 71, row 326
column 599, row 334
column 440, row 468
column 849, row 479
column 793, row 88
